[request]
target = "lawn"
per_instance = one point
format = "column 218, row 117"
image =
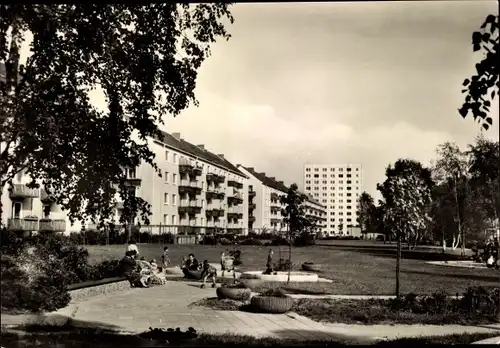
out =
column 353, row 272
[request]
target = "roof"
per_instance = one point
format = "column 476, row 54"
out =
column 275, row 184
column 267, row 180
column 196, row 151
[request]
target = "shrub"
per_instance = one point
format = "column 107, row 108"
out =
column 304, row 239
column 278, row 241
column 225, row 241
column 251, row 241
column 33, row 281
column 274, row 293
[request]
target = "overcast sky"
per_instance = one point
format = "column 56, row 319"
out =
column 337, row 83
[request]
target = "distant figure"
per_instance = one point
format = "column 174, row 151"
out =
column 269, row 263
column 132, row 246
column 208, row 271
column 191, row 264
column 165, row 257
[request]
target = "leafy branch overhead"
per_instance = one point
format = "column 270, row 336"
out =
column 482, row 87
column 144, row 58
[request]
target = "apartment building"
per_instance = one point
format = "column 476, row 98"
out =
column 338, row 187
column 265, row 209
column 198, row 190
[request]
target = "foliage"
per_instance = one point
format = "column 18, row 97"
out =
column 478, row 96
column 225, row 241
column 145, row 61
column 251, row 241
column 366, row 207
column 236, row 254
column 304, row 239
column 274, row 293
column 293, row 213
column 407, row 198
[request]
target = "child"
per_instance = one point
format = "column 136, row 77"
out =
column 165, row 258
column 154, row 265
column 226, row 264
column 208, row 271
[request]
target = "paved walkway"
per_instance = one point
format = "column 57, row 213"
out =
column 135, row 310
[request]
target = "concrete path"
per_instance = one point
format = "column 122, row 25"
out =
column 135, row 310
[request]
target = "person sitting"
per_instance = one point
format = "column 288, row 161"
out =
column 165, row 257
column 157, row 277
column 132, row 246
column 191, row 264
column 128, row 266
column 208, row 271
column 154, row 265
column 144, row 271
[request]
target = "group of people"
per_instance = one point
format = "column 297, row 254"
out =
column 191, row 266
column 490, row 254
column 142, row 273
column 138, row 271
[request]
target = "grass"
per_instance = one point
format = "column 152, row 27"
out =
column 368, row 312
column 71, row 337
column 352, row 271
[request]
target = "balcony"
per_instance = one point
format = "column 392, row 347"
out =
column 214, row 194
column 235, row 200
column 190, row 207
column 133, row 182
column 189, row 169
column 215, row 213
column 49, row 225
column 26, row 224
column 235, row 184
column 275, row 220
column 234, row 216
column 45, row 197
column 252, row 206
column 275, row 209
column 216, row 178
column 23, row 191
column 251, row 194
column 190, row 187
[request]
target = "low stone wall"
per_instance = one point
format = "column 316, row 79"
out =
column 89, row 290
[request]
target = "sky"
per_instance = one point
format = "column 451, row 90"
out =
column 333, row 83
column 337, row 83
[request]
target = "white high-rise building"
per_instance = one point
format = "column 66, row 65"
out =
column 338, row 187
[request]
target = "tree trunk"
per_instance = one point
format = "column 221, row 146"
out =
column 398, row 261
column 289, row 255
column 460, row 231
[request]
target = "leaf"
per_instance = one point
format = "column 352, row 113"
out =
column 489, row 120
column 487, row 103
column 493, row 95
column 485, row 126
column 466, row 82
column 463, row 111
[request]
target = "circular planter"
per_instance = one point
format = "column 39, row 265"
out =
column 275, row 305
column 311, row 267
column 237, row 294
column 174, row 271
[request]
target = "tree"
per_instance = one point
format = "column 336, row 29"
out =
column 144, row 58
column 484, row 157
column 365, row 211
column 451, row 171
column 407, row 197
column 294, row 216
column 477, row 89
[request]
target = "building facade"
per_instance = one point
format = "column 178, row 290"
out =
column 198, row 192
column 337, row 187
column 265, row 209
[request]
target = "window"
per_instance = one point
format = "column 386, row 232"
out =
column 131, row 173
column 348, row 201
column 332, row 169
column 166, row 155
column 341, row 182
column 316, row 169
column 349, row 175
column 332, row 182
column 341, row 169
column 341, row 188
column 203, row 223
column 349, row 219
column 308, row 188
column 165, row 198
column 349, row 194
column 348, row 169
column 348, row 188
column 174, row 179
column 348, row 207
column 341, row 213
column 174, row 199
column 165, row 219
column 316, row 175
column 325, row 182
column 357, row 169
column 166, row 177
column 308, row 169
column 175, row 158
column 341, row 175
column 46, row 211
column 341, row 194
column 173, row 220
column 308, row 175
column 324, row 169
column 332, row 175
column 332, row 207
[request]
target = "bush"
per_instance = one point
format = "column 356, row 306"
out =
column 236, row 255
column 251, row 241
column 225, row 241
column 274, row 293
column 304, row 239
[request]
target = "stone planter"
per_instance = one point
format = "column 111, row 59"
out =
column 311, row 267
column 237, row 294
column 269, row 304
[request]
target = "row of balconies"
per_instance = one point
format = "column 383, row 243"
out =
column 33, row 224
